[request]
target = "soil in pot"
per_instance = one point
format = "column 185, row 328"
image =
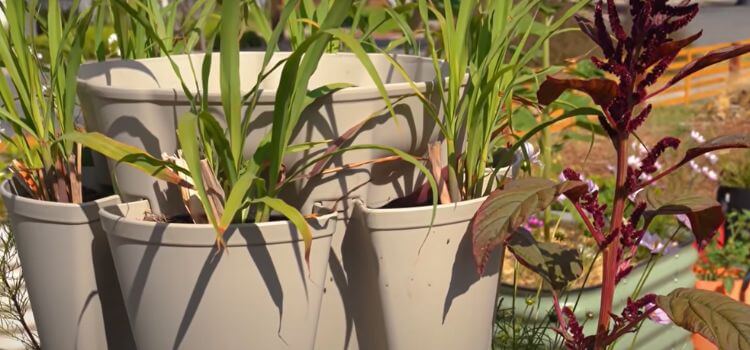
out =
column 181, row 292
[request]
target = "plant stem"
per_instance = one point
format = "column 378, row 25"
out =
column 545, row 147
column 453, row 188
column 611, row 252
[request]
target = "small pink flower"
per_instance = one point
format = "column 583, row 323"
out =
column 533, row 222
column 697, row 137
column 683, row 219
column 712, row 158
column 634, row 161
column 694, row 166
column 656, row 244
column 658, row 315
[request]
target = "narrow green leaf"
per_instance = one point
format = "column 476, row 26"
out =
column 295, row 217
column 322, row 91
column 230, row 75
column 364, row 59
column 187, row 134
column 236, row 198
column 128, row 154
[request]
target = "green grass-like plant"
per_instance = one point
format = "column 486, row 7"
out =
column 231, row 187
column 38, row 97
column 495, row 43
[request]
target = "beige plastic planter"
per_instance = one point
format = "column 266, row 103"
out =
column 181, row 294
column 69, row 273
column 139, row 102
column 428, row 289
column 345, row 321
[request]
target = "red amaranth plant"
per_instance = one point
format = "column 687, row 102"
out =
column 636, row 59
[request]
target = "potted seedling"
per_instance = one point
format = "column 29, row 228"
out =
column 723, row 267
column 65, row 257
column 136, row 102
column 636, row 59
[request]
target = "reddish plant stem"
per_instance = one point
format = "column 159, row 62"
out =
column 657, row 177
column 611, row 255
column 629, row 327
column 558, row 311
column 598, row 236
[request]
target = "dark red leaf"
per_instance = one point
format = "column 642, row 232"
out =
column 721, row 142
column 508, row 208
column 707, row 60
column 601, row 90
column 574, row 190
column 674, row 47
column 556, row 263
column 587, row 27
column 705, row 214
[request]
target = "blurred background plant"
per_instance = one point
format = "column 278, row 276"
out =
column 38, row 98
column 729, row 261
column 736, row 172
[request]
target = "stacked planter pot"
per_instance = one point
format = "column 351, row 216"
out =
column 138, row 103
column 181, row 293
column 427, row 288
column 69, row 273
column 378, row 278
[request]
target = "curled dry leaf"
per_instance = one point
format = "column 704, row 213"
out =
column 601, row 90
column 189, row 194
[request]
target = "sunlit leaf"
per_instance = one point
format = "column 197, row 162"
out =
column 187, row 134
column 719, row 318
column 294, row 216
column 128, row 154
column 721, row 142
column 705, row 214
column 508, row 208
column 707, row 60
